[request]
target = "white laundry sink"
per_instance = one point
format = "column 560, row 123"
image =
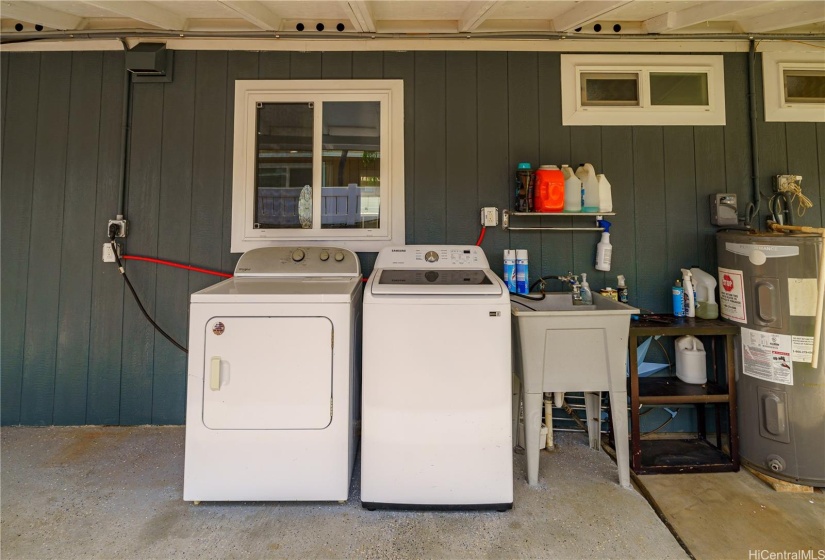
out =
column 560, row 347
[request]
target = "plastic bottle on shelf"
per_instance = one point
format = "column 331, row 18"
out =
column 621, row 289
column 605, row 196
column 510, row 269
column 549, row 189
column 690, row 295
column 678, row 299
column 590, row 187
column 522, row 272
column 572, row 190
column 524, row 186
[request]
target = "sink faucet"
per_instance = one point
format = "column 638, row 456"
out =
column 576, row 287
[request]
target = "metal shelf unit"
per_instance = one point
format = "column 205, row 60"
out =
column 507, row 214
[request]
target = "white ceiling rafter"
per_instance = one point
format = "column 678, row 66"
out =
column 31, row 12
column 475, row 14
column 146, row 12
column 585, row 12
column 360, row 15
column 673, row 21
column 794, row 16
column 255, row 13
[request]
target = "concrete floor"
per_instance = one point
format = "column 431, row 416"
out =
column 96, row 492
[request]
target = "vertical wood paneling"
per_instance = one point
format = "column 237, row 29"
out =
column 461, row 196
column 240, row 66
column 4, row 90
column 20, row 114
column 554, row 147
column 142, row 205
column 523, row 138
column 430, row 160
column 78, row 254
column 40, row 347
column 772, row 150
column 336, row 66
column 174, row 208
column 106, row 335
column 802, row 160
column 709, row 150
column 208, row 167
column 305, row 65
column 820, row 150
column 617, row 165
column 652, row 283
column 680, row 197
column 367, row 65
column 736, row 131
column 495, row 185
column 402, row 66
column 273, row 65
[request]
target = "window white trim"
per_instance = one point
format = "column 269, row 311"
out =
column 390, row 94
column 575, row 114
column 773, row 86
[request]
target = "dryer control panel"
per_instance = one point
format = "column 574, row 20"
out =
column 432, row 257
column 298, row 261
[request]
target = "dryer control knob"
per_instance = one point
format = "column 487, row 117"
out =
column 324, row 255
column 298, row 255
column 339, row 256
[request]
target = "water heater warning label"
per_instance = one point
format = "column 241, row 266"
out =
column 732, row 295
column 767, row 356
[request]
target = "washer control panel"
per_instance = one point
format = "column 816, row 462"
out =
column 298, row 261
column 432, row 256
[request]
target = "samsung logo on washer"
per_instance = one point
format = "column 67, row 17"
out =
column 399, row 250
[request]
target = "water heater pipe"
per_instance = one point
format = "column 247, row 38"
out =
column 753, row 208
column 820, row 296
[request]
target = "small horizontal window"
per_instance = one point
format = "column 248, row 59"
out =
column 793, row 85
column 804, row 86
column 642, row 90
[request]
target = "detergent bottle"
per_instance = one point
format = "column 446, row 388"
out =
column 691, row 366
column 605, row 196
column 590, row 187
column 572, row 190
column 549, row 189
column 705, row 285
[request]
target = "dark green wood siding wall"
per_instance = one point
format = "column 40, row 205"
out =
column 75, row 348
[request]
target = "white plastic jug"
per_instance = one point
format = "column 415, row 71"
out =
column 691, row 366
column 605, row 197
column 590, row 187
column 572, row 190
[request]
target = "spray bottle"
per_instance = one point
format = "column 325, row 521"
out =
column 705, row 284
column 604, row 250
column 622, row 289
column 586, row 294
column 510, row 269
column 690, row 295
column 522, row 274
column 678, row 299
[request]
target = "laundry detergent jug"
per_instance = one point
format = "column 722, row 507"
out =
column 549, row 189
column 690, row 360
column 590, row 187
column 572, row 190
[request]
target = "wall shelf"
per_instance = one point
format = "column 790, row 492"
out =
column 507, row 214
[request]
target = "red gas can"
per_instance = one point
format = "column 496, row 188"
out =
column 549, row 189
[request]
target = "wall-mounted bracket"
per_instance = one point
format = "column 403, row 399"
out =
column 506, row 215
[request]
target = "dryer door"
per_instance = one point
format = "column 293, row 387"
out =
column 267, row 373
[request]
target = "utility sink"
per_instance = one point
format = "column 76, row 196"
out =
column 560, row 347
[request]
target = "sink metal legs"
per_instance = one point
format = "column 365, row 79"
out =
column 618, row 405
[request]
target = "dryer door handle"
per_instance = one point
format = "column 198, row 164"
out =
column 215, row 374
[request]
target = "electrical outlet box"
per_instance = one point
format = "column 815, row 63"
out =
column 723, row 209
column 109, row 253
column 489, row 216
column 782, row 182
column 121, row 227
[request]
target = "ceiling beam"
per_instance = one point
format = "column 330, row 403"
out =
column 360, row 15
column 475, row 14
column 672, row 21
column 147, row 12
column 255, row 13
column 32, row 12
column 584, row 12
column 792, row 15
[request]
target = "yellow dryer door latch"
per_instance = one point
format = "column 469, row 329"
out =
column 215, row 374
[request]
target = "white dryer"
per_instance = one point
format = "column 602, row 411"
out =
column 437, row 397
column 273, row 386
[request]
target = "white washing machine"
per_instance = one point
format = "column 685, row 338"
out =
column 437, row 396
column 274, row 378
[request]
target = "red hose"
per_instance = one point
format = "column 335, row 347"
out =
column 176, row 265
column 481, row 236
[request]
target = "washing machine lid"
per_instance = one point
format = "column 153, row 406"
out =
column 431, row 281
column 284, row 289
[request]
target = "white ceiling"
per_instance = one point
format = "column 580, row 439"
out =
column 406, row 18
